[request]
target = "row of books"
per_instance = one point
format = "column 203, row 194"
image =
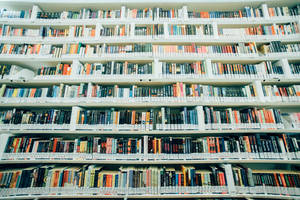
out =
column 82, row 14
column 284, row 11
column 99, row 145
column 94, row 176
column 241, row 48
column 281, row 91
column 215, row 115
column 295, row 68
column 152, row 13
column 168, row 68
column 128, row 48
column 7, row 30
column 60, row 69
column 96, row 50
column 7, row 70
column 152, row 30
column 115, row 67
column 82, row 31
column 246, row 12
column 284, row 29
column 118, row 30
column 260, row 144
column 178, row 89
column 164, row 118
column 50, row 116
column 183, row 68
column 137, row 13
column 190, row 29
column 277, row 47
column 47, row 31
column 275, row 178
column 4, row 13
column 67, row 91
column 116, row 117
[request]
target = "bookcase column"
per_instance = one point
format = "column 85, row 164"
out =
column 163, row 117
column 145, row 138
column 286, row 68
column 265, row 11
column 157, row 68
column 185, row 13
column 200, row 116
column 166, row 30
column 208, row 68
column 89, row 91
column 3, row 142
column 35, row 10
column 74, row 116
column 260, row 93
column 215, row 30
column 132, row 28
column 229, row 178
column 123, row 12
column 97, row 31
column 76, row 64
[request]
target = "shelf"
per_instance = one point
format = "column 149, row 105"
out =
column 170, row 192
column 146, row 102
column 151, row 56
column 145, row 79
column 203, row 39
column 221, row 21
column 154, row 132
column 142, row 159
column 188, row 196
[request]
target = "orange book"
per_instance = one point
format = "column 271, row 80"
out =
column 65, row 177
column 240, row 14
column 246, row 138
column 93, row 32
column 218, row 144
column 208, row 144
column 54, row 145
column 282, row 180
column 133, row 117
column 28, row 147
column 11, row 48
column 129, row 146
column 154, row 145
column 33, row 90
column 69, row 70
column 116, row 119
column 13, row 180
column 236, row 116
column 276, row 179
column 285, row 142
column 15, row 144
column 56, row 177
column 174, row 90
column 38, row 49
column 184, row 171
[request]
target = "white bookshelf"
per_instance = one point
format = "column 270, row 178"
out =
column 222, row 160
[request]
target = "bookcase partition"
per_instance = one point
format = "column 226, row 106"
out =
column 159, row 100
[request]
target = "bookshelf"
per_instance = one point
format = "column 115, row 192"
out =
column 157, row 100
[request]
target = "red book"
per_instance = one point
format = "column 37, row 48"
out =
column 54, row 144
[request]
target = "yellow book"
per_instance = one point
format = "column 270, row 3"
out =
column 15, row 93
